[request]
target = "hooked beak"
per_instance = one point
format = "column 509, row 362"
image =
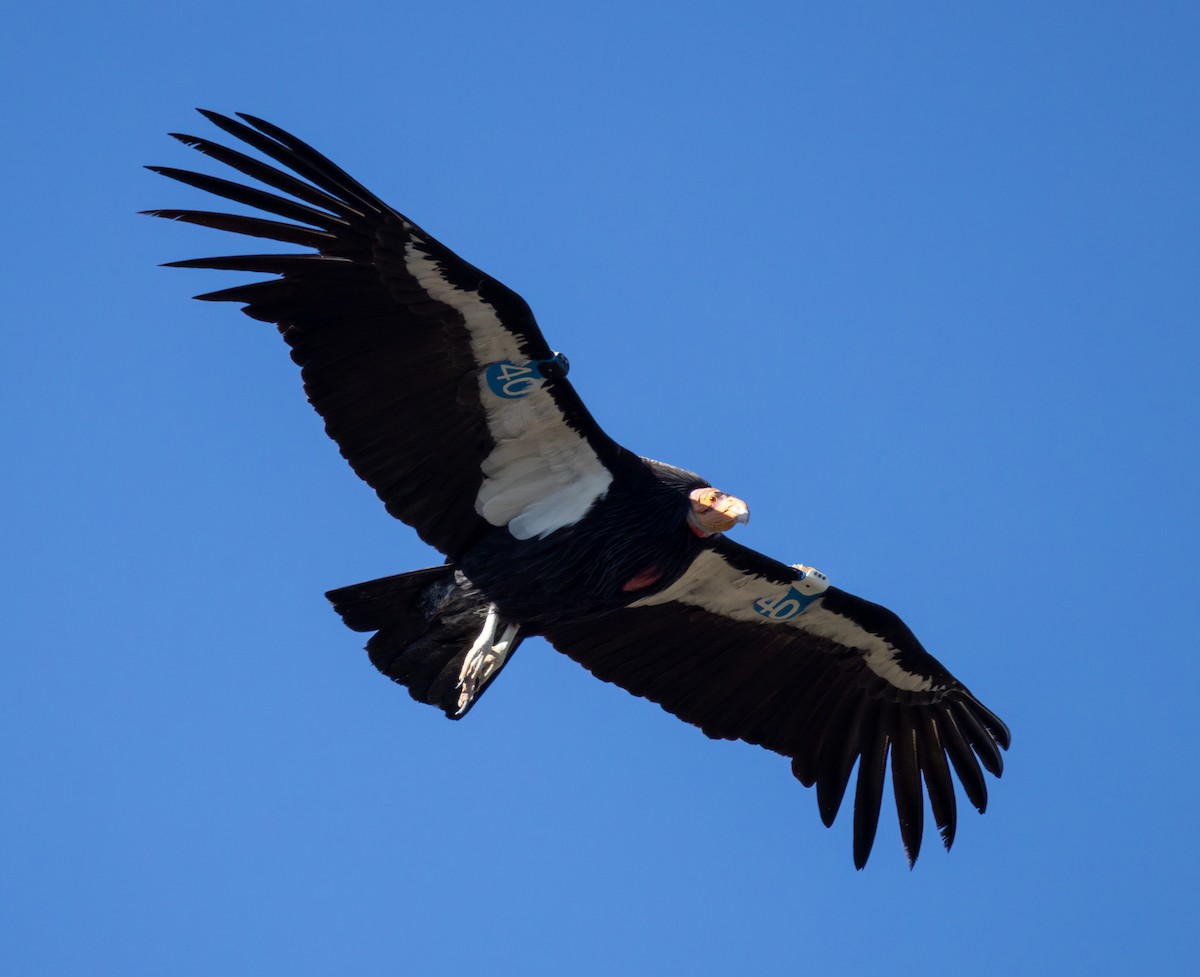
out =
column 715, row 512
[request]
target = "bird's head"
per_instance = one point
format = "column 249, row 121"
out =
column 712, row 511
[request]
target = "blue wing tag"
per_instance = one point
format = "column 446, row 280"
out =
column 511, row 381
column 810, row 585
column 786, row 607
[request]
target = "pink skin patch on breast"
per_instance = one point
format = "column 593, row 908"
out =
column 643, row 579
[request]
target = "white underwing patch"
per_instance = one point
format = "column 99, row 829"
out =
column 880, row 655
column 712, row 584
column 542, row 475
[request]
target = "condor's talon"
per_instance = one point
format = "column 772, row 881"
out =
column 485, row 658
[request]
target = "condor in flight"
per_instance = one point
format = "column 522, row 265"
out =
column 439, row 388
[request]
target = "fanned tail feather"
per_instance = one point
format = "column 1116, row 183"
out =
column 434, row 634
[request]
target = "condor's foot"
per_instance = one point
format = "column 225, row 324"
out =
column 491, row 651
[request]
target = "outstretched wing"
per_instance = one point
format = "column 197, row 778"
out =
column 432, row 377
column 747, row 648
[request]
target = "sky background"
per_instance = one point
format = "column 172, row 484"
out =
column 918, row 282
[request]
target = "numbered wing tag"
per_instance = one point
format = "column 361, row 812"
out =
column 810, row 584
column 511, row 381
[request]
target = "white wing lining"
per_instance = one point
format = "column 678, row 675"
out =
column 712, row 584
column 542, row 475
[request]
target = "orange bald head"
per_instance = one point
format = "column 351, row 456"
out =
column 713, row 511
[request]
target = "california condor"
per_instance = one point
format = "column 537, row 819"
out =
column 439, row 388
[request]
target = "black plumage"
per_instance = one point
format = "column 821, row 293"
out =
column 442, row 394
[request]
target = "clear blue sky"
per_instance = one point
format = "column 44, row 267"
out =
column 919, row 283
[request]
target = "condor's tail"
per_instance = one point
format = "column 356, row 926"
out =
column 435, row 634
